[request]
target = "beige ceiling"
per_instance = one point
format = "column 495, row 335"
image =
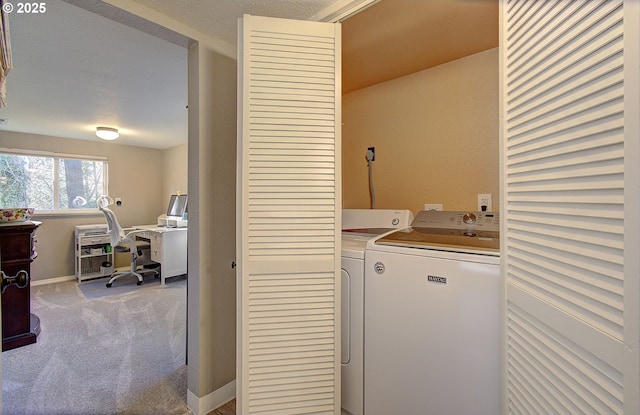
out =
column 389, row 39
column 394, row 38
column 102, row 70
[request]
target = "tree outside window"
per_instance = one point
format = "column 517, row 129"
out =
column 50, row 182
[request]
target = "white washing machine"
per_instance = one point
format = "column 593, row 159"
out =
column 359, row 225
column 432, row 317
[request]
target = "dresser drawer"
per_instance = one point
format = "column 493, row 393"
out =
column 17, row 246
column 156, row 249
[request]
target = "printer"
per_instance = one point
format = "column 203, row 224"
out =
column 165, row 221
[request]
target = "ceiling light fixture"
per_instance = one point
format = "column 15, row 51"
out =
column 107, row 133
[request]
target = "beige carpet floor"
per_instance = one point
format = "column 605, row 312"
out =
column 115, row 354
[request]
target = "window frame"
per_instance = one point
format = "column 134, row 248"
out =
column 56, row 185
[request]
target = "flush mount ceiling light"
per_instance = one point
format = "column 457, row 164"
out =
column 107, row 133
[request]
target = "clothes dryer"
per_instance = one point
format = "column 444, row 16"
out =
column 432, row 317
column 359, row 225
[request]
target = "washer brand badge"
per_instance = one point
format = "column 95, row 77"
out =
column 436, row 279
column 379, row 267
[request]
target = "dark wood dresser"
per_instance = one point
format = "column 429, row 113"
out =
column 17, row 251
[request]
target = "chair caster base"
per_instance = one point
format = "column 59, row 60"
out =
column 109, row 285
column 139, row 283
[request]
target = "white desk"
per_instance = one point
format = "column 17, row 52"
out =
column 168, row 248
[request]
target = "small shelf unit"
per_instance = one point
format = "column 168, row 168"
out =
column 92, row 250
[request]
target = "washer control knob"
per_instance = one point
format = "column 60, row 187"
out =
column 469, row 218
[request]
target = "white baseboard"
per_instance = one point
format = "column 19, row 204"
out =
column 217, row 398
column 52, row 280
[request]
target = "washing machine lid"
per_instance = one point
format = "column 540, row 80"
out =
column 466, row 232
column 354, row 247
column 354, row 241
column 362, row 225
column 453, row 240
column 365, row 232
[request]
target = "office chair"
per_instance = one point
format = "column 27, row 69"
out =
column 123, row 242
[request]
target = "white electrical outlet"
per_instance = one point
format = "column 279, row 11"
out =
column 484, row 202
column 433, row 206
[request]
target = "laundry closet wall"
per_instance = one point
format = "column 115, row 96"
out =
column 435, row 134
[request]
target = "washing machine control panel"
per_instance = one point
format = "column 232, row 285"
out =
column 489, row 221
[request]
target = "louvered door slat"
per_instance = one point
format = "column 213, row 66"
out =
column 289, row 186
column 565, row 148
column 570, row 46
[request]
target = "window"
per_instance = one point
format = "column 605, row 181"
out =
column 51, row 182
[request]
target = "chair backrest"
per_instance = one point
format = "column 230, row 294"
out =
column 116, row 233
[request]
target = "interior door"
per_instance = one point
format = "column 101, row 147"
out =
column 289, row 187
column 570, row 191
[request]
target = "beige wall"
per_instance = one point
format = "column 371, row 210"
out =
column 435, row 134
column 211, row 298
column 135, row 175
column 174, row 177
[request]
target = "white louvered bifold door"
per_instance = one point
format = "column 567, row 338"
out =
column 289, row 225
column 570, row 190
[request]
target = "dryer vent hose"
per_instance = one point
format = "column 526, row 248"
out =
column 372, row 190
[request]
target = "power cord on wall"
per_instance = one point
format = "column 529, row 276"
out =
column 371, row 156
